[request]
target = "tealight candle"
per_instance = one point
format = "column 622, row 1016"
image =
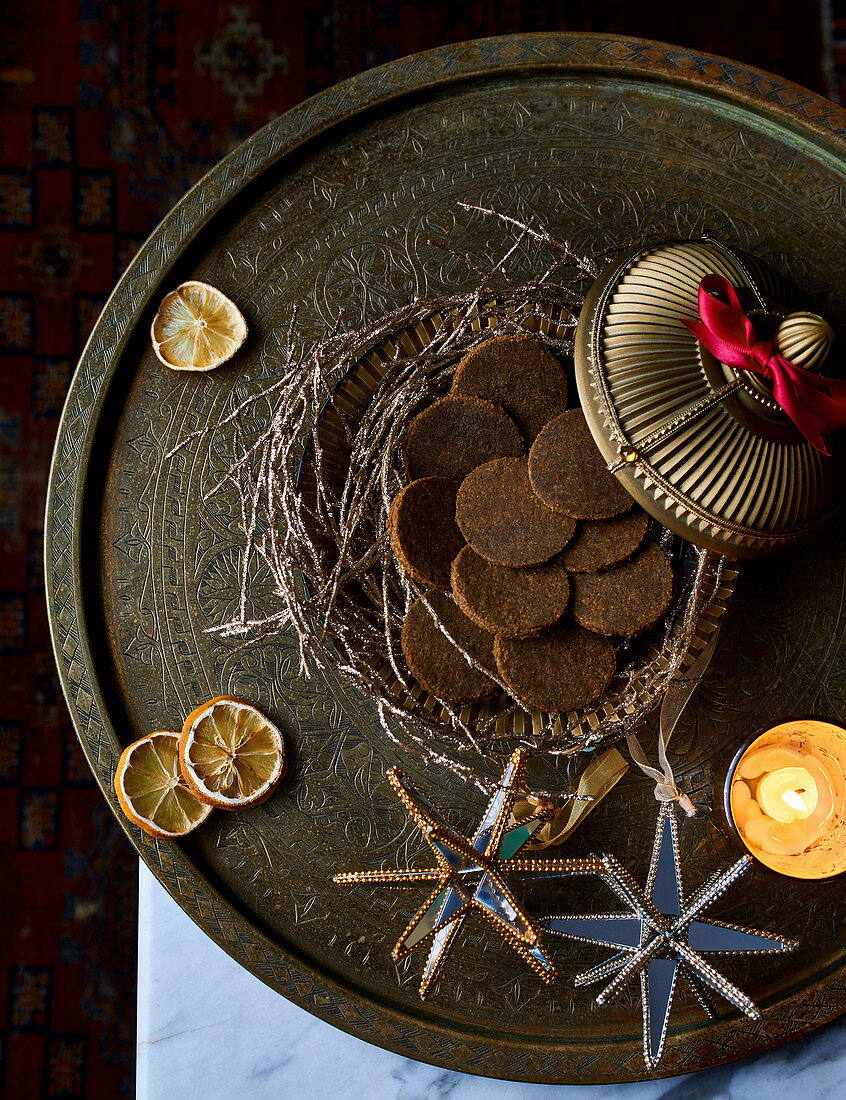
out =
column 786, row 797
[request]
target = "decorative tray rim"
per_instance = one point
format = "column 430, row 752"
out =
column 526, row 1058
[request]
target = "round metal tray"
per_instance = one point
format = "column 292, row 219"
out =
column 331, row 210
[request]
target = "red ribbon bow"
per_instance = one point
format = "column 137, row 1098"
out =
column 815, row 404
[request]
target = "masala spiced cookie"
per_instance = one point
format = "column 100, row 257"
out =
column 558, row 671
column 601, row 543
column 435, row 662
column 503, row 600
column 518, row 373
column 569, row 474
column 503, row 520
column 423, row 532
column 627, row 599
column 457, row 434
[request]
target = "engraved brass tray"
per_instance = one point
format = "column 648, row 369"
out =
column 330, row 209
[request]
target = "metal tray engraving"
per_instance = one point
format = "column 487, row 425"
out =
column 330, row 209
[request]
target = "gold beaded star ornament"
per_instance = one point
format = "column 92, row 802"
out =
column 470, row 876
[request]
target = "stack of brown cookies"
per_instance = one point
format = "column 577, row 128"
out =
column 543, row 554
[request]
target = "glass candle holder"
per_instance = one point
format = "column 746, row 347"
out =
column 785, row 797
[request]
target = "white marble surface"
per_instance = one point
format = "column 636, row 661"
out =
column 209, row 1030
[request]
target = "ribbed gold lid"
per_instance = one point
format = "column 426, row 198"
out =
column 702, row 447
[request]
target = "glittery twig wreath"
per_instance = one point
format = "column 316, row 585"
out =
column 316, row 479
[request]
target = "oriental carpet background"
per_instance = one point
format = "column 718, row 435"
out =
column 108, row 112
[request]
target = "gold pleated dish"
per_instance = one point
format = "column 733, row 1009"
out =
column 702, row 447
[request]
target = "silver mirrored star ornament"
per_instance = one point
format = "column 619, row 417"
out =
column 660, row 936
column 469, row 876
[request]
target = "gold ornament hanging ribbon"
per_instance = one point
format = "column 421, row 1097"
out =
column 596, row 781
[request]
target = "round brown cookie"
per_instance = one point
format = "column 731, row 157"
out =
column 423, row 532
column 627, row 599
column 601, row 543
column 513, row 602
column 518, row 373
column 457, row 434
column 560, row 670
column 569, row 473
column 435, row 662
column 504, row 521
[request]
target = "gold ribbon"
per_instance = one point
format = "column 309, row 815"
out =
column 596, row 781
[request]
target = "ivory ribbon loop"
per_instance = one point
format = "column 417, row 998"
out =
column 676, row 698
column 814, row 403
column 666, row 789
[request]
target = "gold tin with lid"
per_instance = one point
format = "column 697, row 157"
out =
column 703, row 447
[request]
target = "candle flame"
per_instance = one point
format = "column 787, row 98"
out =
column 795, row 799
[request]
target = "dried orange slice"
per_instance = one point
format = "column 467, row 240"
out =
column 231, row 755
column 197, row 328
column 151, row 790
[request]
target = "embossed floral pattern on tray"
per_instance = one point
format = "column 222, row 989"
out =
column 546, row 120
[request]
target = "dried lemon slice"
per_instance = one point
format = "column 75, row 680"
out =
column 197, row 328
column 231, row 755
column 151, row 790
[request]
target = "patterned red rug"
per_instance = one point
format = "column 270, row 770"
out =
column 110, row 110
